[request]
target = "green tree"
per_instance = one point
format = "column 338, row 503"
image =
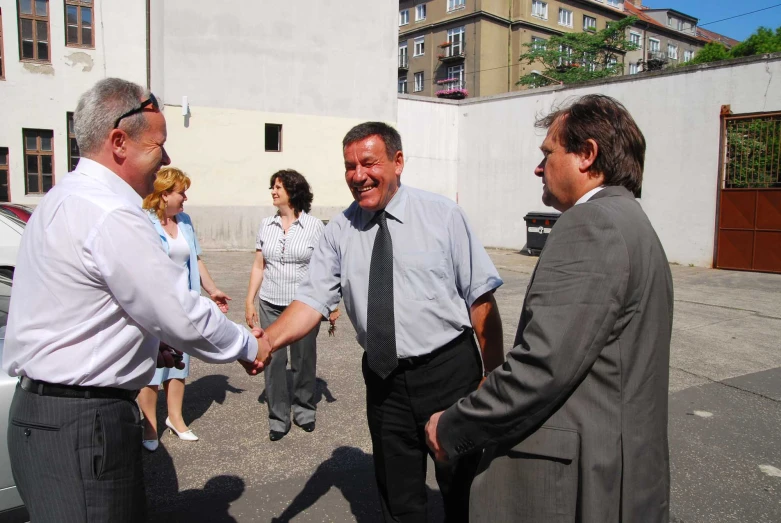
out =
column 577, row 57
column 761, row 42
column 712, row 52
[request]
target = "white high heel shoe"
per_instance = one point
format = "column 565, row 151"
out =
column 187, row 435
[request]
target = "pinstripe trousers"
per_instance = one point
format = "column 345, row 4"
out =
column 77, row 460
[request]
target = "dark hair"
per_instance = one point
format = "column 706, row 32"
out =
column 389, row 136
column 296, row 187
column 621, row 154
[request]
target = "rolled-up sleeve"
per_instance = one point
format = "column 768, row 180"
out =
column 156, row 294
column 474, row 271
column 321, row 289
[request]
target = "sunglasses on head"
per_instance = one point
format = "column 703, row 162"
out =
column 149, row 102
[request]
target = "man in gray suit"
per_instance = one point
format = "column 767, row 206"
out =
column 574, row 424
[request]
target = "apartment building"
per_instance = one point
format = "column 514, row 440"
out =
column 665, row 37
column 51, row 51
column 458, row 48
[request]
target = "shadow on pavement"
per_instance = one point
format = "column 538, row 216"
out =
column 200, row 394
column 321, row 390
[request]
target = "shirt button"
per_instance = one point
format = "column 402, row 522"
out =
column 27, row 432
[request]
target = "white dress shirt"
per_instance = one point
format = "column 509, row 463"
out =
column 586, row 197
column 94, row 291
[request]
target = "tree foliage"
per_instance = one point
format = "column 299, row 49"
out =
column 763, row 41
column 577, row 57
column 712, row 52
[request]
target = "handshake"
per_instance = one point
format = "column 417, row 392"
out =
column 263, row 358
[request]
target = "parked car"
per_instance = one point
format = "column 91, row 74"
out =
column 11, row 229
column 11, row 507
column 20, row 211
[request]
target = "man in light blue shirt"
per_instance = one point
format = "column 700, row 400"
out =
column 416, row 285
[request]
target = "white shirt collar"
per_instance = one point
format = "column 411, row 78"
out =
column 586, row 197
column 109, row 178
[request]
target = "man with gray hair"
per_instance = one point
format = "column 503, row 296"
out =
column 94, row 295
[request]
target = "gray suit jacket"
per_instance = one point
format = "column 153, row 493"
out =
column 574, row 424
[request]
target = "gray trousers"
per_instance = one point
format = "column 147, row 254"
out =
column 303, row 363
column 77, row 460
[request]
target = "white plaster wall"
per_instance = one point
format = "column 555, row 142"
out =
column 679, row 114
column 327, row 58
column 38, row 96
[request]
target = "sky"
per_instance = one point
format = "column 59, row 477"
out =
column 712, row 10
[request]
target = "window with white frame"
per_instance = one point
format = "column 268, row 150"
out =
column 566, row 55
column 403, row 17
column 420, row 12
column 565, row 17
column 688, row 56
column 403, row 61
column 456, row 72
column 589, row 23
column 538, row 44
column 540, row 9
column 614, row 3
column 633, row 69
column 636, row 38
column 672, row 51
column 403, row 84
column 670, row 21
column 420, row 48
column 419, row 81
column 452, row 5
column 456, row 39
column 654, row 45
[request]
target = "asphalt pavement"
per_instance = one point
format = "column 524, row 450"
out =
column 725, row 414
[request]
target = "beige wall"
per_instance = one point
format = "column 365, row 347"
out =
column 493, row 54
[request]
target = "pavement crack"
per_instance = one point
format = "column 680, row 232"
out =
column 717, row 382
column 727, row 307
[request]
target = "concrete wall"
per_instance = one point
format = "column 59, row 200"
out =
column 678, row 111
column 38, row 95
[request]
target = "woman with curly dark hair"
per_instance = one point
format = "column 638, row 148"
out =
column 284, row 245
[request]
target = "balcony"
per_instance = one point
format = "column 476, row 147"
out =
column 452, row 88
column 450, row 54
column 403, row 62
column 656, row 60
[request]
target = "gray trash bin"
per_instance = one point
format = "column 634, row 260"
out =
column 538, row 227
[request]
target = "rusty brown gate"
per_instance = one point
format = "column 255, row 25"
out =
column 749, row 199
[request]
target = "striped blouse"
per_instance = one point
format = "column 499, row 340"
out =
column 286, row 255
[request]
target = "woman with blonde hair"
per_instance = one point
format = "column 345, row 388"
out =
column 166, row 212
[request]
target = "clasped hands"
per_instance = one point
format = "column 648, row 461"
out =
column 263, row 358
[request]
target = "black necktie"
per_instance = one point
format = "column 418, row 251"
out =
column 380, row 321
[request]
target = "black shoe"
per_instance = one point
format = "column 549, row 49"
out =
column 308, row 427
column 275, row 435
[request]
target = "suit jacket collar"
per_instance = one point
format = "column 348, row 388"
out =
column 613, row 190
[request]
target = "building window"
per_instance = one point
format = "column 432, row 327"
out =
column 636, row 39
column 456, row 39
column 420, row 48
column 73, row 148
column 614, row 3
column 688, row 55
column 589, row 23
column 4, row 194
column 274, row 137
column 565, row 17
column 38, row 160
column 403, row 84
column 403, row 57
column 420, row 12
column 418, row 82
column 670, row 21
column 566, row 55
column 633, row 69
column 538, row 44
column 653, row 45
column 540, row 9
column 452, row 5
column 403, row 17
column 78, row 23
column 672, row 51
column 456, row 73
column 34, row 30
column 2, row 58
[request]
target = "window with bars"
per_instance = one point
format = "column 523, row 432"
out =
column 38, row 160
column 73, row 148
column 34, row 30
column 79, row 23
column 2, row 57
column 4, row 193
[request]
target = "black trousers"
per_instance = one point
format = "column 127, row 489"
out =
column 77, row 460
column 398, row 408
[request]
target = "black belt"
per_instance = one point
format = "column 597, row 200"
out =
column 75, row 391
column 414, row 361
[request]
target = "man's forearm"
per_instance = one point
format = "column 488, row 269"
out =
column 487, row 324
column 297, row 320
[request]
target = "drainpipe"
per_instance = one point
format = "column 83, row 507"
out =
column 509, row 42
column 148, row 46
